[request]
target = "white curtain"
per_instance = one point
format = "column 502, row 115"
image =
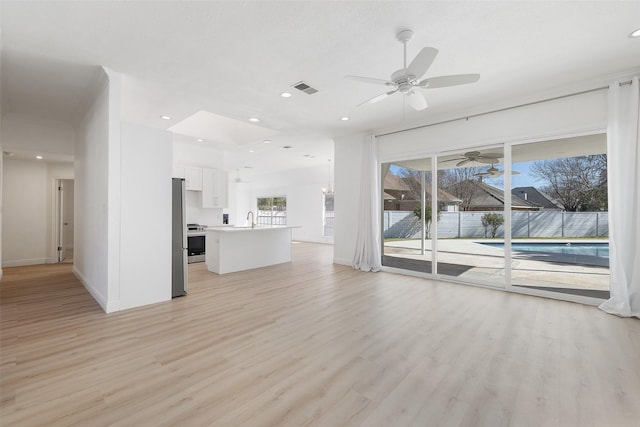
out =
column 367, row 254
column 624, row 198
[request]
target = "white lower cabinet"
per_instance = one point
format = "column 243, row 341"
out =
column 214, row 188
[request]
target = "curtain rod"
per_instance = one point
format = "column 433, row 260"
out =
column 628, row 82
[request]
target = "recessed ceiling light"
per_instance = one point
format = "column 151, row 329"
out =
column 252, row 151
column 344, row 119
column 254, row 119
column 285, row 95
column 636, row 33
column 200, row 140
column 39, row 157
column 165, row 117
column 267, row 141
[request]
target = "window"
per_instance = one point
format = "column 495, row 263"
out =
column 327, row 220
column 272, row 211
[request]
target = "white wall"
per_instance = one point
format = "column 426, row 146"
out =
column 196, row 214
column 145, row 228
column 91, row 198
column 28, row 220
column 568, row 116
column 303, row 189
column 24, row 222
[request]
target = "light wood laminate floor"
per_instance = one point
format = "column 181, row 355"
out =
column 311, row 343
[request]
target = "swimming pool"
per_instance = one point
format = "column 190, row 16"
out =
column 600, row 250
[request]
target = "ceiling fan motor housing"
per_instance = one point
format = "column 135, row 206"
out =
column 404, row 81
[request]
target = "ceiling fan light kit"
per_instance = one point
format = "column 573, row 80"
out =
column 408, row 78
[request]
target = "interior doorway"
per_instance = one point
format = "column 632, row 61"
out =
column 64, row 219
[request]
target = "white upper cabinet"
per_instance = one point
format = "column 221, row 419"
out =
column 193, row 178
column 214, row 188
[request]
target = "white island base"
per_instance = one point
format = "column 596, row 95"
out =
column 230, row 249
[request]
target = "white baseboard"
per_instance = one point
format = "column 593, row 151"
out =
column 107, row 306
column 23, row 262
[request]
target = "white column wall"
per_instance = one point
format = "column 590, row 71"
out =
column 575, row 115
column 145, row 227
column 91, row 198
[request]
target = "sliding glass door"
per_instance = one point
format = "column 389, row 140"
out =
column 406, row 215
column 471, row 214
column 544, row 227
column 562, row 246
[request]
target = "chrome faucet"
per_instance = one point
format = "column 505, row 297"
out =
column 250, row 214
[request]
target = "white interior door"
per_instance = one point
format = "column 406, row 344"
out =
column 60, row 223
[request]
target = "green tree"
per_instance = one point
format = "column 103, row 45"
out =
column 428, row 217
column 492, row 221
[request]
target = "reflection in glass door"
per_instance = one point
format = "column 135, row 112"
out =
column 471, row 202
column 406, row 215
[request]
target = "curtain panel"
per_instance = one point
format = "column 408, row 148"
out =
column 367, row 253
column 623, row 146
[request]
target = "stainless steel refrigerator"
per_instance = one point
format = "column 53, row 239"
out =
column 178, row 239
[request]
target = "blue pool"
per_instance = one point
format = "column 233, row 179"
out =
column 590, row 249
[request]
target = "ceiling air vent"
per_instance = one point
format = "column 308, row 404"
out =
column 304, row 87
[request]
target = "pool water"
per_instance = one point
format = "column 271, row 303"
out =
column 590, row 249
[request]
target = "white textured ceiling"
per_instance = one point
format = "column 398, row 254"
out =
column 234, row 58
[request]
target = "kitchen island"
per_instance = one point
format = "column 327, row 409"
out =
column 230, row 249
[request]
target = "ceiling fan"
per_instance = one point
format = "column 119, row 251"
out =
column 408, row 78
column 476, row 156
column 239, row 180
column 493, row 172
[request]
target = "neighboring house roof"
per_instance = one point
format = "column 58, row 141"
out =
column 533, row 195
column 394, row 184
column 443, row 196
column 487, row 197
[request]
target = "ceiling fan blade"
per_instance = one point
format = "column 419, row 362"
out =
column 422, row 62
column 377, row 98
column 464, row 162
column 445, row 81
column 370, row 80
column 416, row 100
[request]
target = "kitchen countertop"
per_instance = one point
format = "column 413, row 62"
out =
column 249, row 228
